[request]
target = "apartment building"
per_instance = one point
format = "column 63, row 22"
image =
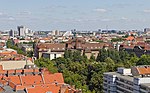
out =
column 139, row 48
column 52, row 55
column 24, row 31
column 85, row 47
column 132, row 80
column 54, row 48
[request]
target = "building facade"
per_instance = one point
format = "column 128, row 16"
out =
column 21, row 30
column 24, row 31
column 133, row 80
column 11, row 33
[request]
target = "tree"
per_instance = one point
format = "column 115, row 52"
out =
column 92, row 57
column 116, row 40
column 103, row 54
column 15, row 47
column 45, row 62
column 133, row 60
column 30, row 54
column 144, row 60
column 110, row 64
column 124, row 56
column 87, row 74
column 113, row 54
column 77, row 56
column 68, row 54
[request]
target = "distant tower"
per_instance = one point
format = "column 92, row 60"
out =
column 146, row 29
column 21, row 30
column 74, row 32
column 24, row 31
column 99, row 30
column 11, row 33
column 55, row 32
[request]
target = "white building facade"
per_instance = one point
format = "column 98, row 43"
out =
column 123, row 81
column 23, row 31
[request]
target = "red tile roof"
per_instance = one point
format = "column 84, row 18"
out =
column 44, row 89
column 143, row 70
column 38, row 83
column 3, row 71
column 27, row 70
column 130, row 38
column 139, row 39
column 11, row 71
column 14, row 79
column 52, row 78
column 52, row 46
column 31, row 80
column 128, row 47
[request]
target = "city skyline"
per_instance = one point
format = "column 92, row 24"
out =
column 82, row 15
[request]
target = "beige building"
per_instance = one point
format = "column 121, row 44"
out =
column 7, row 65
column 52, row 55
column 57, row 48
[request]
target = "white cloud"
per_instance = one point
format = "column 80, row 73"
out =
column 105, row 20
column 78, row 20
column 124, row 18
column 1, row 13
column 146, row 10
column 100, row 10
column 11, row 18
column 24, row 13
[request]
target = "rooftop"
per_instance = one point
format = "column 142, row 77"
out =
column 126, row 77
column 40, row 82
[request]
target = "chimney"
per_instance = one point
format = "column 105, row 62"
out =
column 7, row 73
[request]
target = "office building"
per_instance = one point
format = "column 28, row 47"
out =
column 146, row 29
column 11, row 33
column 23, row 31
column 55, row 32
column 132, row 80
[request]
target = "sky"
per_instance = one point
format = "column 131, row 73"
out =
column 75, row 14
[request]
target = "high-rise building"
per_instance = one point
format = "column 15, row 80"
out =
column 132, row 80
column 146, row 29
column 21, row 30
column 11, row 33
column 55, row 32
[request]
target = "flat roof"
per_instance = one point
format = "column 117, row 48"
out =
column 146, row 85
column 125, row 77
